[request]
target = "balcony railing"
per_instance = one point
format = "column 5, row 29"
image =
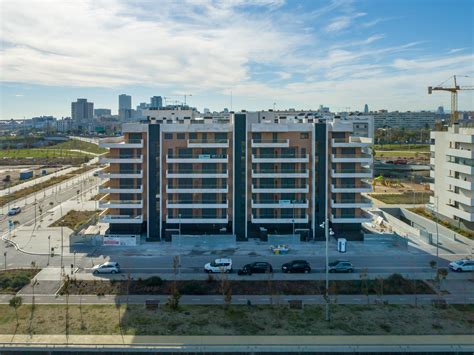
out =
column 121, row 204
column 208, row 143
column 122, row 219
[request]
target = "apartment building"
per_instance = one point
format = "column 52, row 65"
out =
column 250, row 175
column 408, row 119
column 452, row 167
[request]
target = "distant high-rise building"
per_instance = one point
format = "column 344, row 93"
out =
column 440, row 110
column 156, row 102
column 100, row 112
column 206, row 110
column 125, row 102
column 82, row 113
column 366, row 108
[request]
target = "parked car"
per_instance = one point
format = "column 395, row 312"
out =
column 296, row 266
column 341, row 266
column 14, row 210
column 219, row 265
column 462, row 265
column 259, row 267
column 109, row 267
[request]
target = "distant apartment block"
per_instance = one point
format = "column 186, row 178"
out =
column 82, row 113
column 101, row 112
column 248, row 174
column 452, row 167
column 408, row 119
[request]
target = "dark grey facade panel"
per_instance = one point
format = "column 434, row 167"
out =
column 240, row 157
column 320, row 176
column 153, row 184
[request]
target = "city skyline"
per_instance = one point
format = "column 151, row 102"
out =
column 340, row 54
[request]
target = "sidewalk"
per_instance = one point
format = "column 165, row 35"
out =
column 247, row 344
column 243, row 299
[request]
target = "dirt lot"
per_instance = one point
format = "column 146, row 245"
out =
column 14, row 172
column 155, row 285
column 238, row 320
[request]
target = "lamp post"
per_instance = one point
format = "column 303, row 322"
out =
column 49, row 248
column 179, row 244
column 326, row 223
column 5, row 256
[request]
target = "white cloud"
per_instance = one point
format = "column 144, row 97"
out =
column 343, row 22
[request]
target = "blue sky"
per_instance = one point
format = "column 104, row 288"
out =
column 298, row 54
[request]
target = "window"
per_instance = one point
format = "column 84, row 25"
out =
column 168, row 135
column 304, row 135
column 192, row 135
column 180, row 135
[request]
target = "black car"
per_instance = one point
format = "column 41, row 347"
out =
column 296, row 266
column 259, row 267
column 341, row 266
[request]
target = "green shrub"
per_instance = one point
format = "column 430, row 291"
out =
column 193, row 288
column 19, row 281
column 153, row 281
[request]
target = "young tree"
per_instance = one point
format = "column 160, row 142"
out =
column 173, row 300
column 15, row 303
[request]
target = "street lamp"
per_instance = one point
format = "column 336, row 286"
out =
column 49, row 248
column 5, row 256
column 179, row 244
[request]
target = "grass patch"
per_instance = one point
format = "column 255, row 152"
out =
column 403, row 147
column 12, row 281
column 394, row 284
column 43, row 185
column 75, row 219
column 401, row 154
column 41, row 153
column 425, row 213
column 237, row 320
column 76, row 144
column 403, row 198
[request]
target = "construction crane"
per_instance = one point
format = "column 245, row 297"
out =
column 454, row 94
column 185, row 96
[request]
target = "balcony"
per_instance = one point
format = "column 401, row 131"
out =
column 282, row 173
column 282, row 158
column 460, row 213
column 197, row 174
column 363, row 218
column 201, row 158
column 195, row 205
column 197, row 220
column 196, row 189
column 349, row 203
column 352, row 173
column 122, row 219
column 281, row 189
column 119, row 142
column 465, row 199
column 464, row 184
column 280, row 204
column 461, row 167
column 352, row 158
column 342, row 188
column 215, row 143
column 353, row 142
column 121, row 204
column 121, row 159
column 275, row 143
column 460, row 153
column 279, row 220
column 120, row 190
column 128, row 174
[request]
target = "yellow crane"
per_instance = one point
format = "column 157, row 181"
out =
column 454, row 94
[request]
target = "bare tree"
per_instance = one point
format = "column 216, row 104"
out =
column 15, row 303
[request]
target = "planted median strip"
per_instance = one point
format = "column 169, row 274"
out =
column 395, row 284
column 237, row 320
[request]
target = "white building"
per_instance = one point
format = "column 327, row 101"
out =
column 452, row 165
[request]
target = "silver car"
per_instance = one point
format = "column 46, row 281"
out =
column 109, row 267
column 462, row 265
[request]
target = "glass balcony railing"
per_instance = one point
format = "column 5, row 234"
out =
column 196, row 171
column 277, row 156
column 280, row 171
column 197, row 156
column 200, row 141
column 191, row 202
column 269, row 140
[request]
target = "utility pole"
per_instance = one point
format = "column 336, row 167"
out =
column 49, row 248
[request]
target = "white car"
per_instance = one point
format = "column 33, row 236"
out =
column 462, row 265
column 106, row 268
column 219, row 265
